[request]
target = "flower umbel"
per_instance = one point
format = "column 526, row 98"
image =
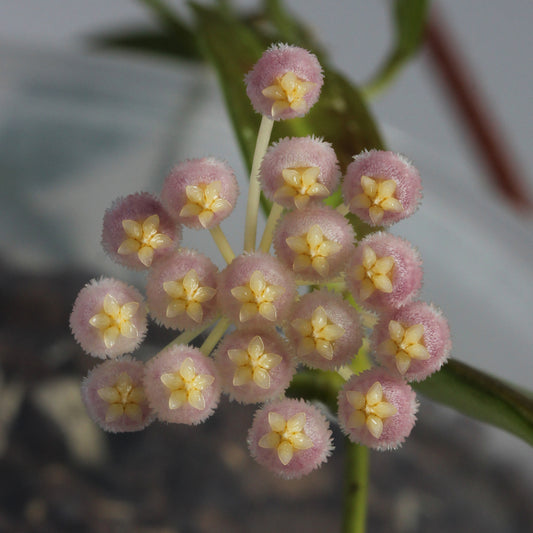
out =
column 296, row 306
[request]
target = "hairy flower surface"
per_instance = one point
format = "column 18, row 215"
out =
column 137, row 230
column 290, row 437
column 200, row 193
column 108, row 318
column 413, row 340
column 113, row 394
column 298, row 172
column 325, row 330
column 181, row 290
column 182, row 385
column 377, row 409
column 314, row 243
column 384, row 272
column 285, row 82
column 254, row 367
column 381, row 187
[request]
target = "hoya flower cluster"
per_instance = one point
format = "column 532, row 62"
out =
column 269, row 313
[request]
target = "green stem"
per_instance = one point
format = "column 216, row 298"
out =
column 216, row 334
column 254, row 189
column 355, row 488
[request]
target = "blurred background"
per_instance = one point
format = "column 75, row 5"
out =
column 79, row 127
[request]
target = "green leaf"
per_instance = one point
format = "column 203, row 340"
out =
column 409, row 18
column 481, row 396
column 148, row 40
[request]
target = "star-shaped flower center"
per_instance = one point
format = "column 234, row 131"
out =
column 318, row 333
column 204, row 201
column 257, row 297
column 187, row 296
column 377, row 197
column 312, row 249
column 186, row 386
column 374, row 273
column 123, row 398
column 370, row 410
column 286, row 436
column 301, row 184
column 253, row 364
column 288, row 91
column 405, row 344
column 115, row 320
column 143, row 239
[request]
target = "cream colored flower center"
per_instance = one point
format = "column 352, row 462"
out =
column 187, row 296
column 123, row 398
column 318, row 333
column 300, row 185
column 204, row 201
column 370, row 410
column 312, row 249
column 143, row 239
column 257, row 297
column 186, row 386
column 405, row 344
column 374, row 273
column 288, row 91
column 253, row 364
column 377, row 197
column 286, row 436
column 114, row 320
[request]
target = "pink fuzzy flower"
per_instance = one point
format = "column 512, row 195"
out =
column 200, row 193
column 315, row 242
column 256, row 291
column 182, row 385
column 254, row 366
column 113, row 394
column 381, row 187
column 137, row 230
column 325, row 330
column 181, row 290
column 377, row 410
column 299, row 171
column 290, row 437
column 384, row 271
column 285, row 82
column 108, row 318
column 413, row 340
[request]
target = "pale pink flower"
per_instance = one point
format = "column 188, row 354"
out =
column 299, row 172
column 113, row 394
column 137, row 231
column 314, row 242
column 182, row 385
column 381, row 187
column 413, row 340
column 384, row 272
column 256, row 291
column 181, row 290
column 285, row 82
column 290, row 437
column 254, row 366
column 377, row 409
column 108, row 318
column 324, row 330
column 200, row 193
